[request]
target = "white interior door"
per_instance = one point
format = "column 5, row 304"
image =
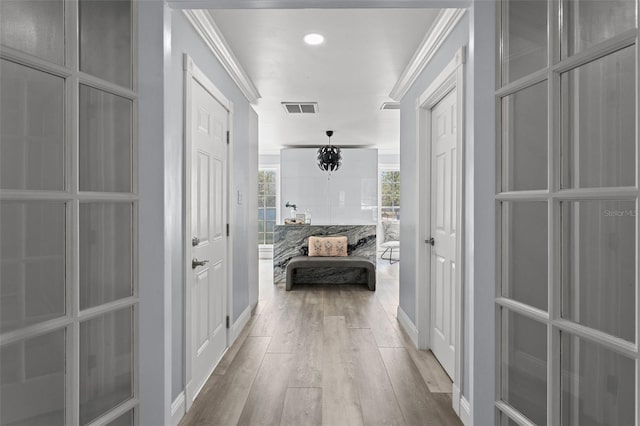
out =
column 443, row 228
column 208, row 232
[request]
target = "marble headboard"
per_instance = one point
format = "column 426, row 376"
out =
column 291, row 241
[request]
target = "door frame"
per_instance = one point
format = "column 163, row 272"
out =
column 192, row 72
column 451, row 77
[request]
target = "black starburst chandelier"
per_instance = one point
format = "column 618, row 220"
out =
column 329, row 157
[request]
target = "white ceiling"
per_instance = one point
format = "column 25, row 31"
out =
column 350, row 75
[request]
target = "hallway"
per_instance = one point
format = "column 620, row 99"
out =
column 331, row 355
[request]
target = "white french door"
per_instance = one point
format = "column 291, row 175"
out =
column 444, row 197
column 208, row 121
column 68, row 213
column 567, row 202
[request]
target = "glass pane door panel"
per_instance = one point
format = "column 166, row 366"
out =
column 599, row 265
column 506, row 421
column 597, row 385
column 524, row 150
column 105, row 141
column 33, row 259
column 34, row 27
column 106, row 360
column 32, row 123
column 524, row 38
column 524, row 366
column 106, row 249
column 598, row 124
column 524, row 252
column 588, row 22
column 127, row 419
column 32, row 381
column 105, row 40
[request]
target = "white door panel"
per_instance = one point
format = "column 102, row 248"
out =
column 443, row 228
column 208, row 223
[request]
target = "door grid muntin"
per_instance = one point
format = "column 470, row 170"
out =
column 73, row 319
column 561, row 331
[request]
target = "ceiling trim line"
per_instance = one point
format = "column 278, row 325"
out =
column 315, row 4
column 444, row 24
column 207, row 29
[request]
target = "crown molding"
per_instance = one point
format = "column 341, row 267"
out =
column 314, row 4
column 444, row 23
column 206, row 27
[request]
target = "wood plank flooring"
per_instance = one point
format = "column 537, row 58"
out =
column 325, row 355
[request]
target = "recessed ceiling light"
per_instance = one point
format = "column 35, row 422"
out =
column 314, row 39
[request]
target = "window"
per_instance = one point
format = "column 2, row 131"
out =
column 390, row 195
column 266, row 205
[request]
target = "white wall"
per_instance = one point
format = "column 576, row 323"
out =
column 389, row 159
column 480, row 182
column 164, row 35
column 184, row 39
column 252, row 210
column 410, row 158
column 154, row 286
column 410, row 161
column 348, row 196
column 476, row 30
column 269, row 160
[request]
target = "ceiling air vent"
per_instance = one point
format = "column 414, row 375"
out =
column 390, row 105
column 300, row 107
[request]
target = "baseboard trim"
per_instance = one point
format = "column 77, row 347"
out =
column 465, row 411
column 408, row 326
column 455, row 398
column 178, row 409
column 179, row 406
column 238, row 325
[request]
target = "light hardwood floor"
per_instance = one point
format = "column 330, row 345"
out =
column 325, row 355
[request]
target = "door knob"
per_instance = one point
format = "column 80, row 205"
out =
column 195, row 263
column 195, row 241
column 430, row 241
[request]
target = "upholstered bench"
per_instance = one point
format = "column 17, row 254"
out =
column 332, row 262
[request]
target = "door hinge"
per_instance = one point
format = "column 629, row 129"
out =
column 228, row 137
column 227, row 229
column 227, row 321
